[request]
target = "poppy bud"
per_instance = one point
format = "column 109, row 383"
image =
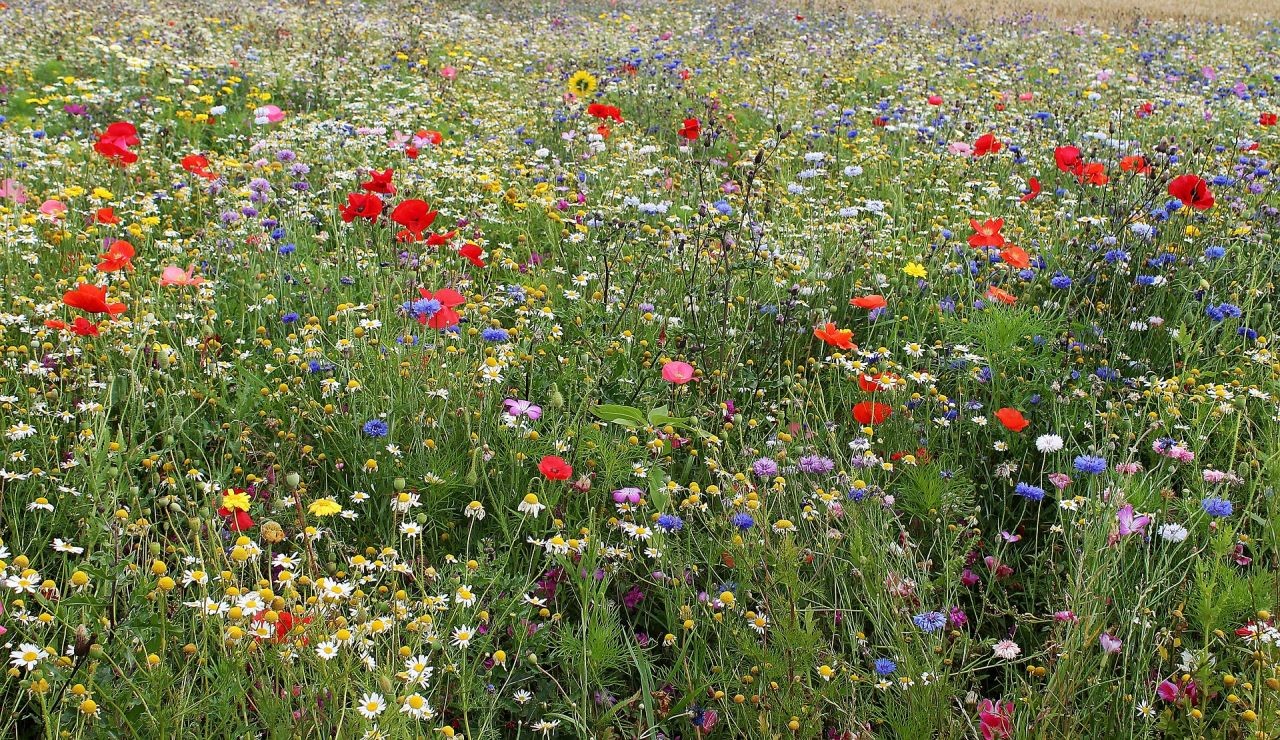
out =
column 555, row 399
column 399, row 484
column 293, row 479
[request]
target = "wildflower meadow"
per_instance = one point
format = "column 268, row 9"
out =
column 636, row 369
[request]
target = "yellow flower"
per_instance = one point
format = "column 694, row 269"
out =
column 324, row 507
column 235, row 500
column 582, row 83
column 915, row 270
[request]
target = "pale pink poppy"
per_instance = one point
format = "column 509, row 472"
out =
column 677, row 373
column 12, row 189
column 267, row 114
column 448, row 72
column 960, row 147
column 53, row 208
column 173, row 275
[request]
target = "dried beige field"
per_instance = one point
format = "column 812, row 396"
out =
column 1103, row 12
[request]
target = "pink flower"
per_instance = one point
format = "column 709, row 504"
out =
column 996, row 719
column 448, row 72
column 12, row 190
column 960, row 147
column 173, row 275
column 267, row 114
column 1129, row 524
column 677, row 373
column 53, row 208
column 1110, row 643
column 1060, row 480
column 1006, row 649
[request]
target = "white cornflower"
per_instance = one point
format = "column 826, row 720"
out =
column 1048, row 443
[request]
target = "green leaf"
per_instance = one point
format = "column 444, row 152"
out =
column 658, row 491
column 627, row 416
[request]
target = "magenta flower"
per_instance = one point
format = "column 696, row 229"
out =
column 518, row 408
column 1129, row 524
column 677, row 373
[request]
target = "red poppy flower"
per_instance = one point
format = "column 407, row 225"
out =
column 934, row 100
column 285, row 624
column 1094, row 173
column 1145, row 110
column 198, row 164
column 106, row 216
column 690, row 129
column 434, row 138
column 380, row 182
column 555, row 468
column 446, row 316
column 1012, row 419
column 92, row 299
column 1004, row 296
column 1015, row 257
column 118, row 257
column 1192, row 191
column 842, row 338
column 415, row 216
column 1267, row 119
column 361, row 205
column 986, row 144
column 235, row 520
column 411, row 152
column 1033, row 190
column 874, row 383
column 1068, row 159
column 987, row 233
column 436, row 240
column 870, row 413
column 84, row 327
column 472, row 253
column 869, row 302
column 114, row 143
column 1136, row 164
column 605, row 112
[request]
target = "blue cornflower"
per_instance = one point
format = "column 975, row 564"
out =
column 930, row 621
column 670, row 523
column 743, row 521
column 1214, row 506
column 288, row 248
column 495, row 335
column 1060, row 281
column 1091, row 464
column 723, row 207
column 885, row 666
column 1214, row 253
column 375, row 428
column 1029, row 492
column 290, row 317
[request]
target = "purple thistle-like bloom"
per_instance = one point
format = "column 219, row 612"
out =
column 764, row 467
column 817, row 464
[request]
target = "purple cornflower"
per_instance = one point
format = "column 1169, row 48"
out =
column 817, row 464
column 764, row 467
